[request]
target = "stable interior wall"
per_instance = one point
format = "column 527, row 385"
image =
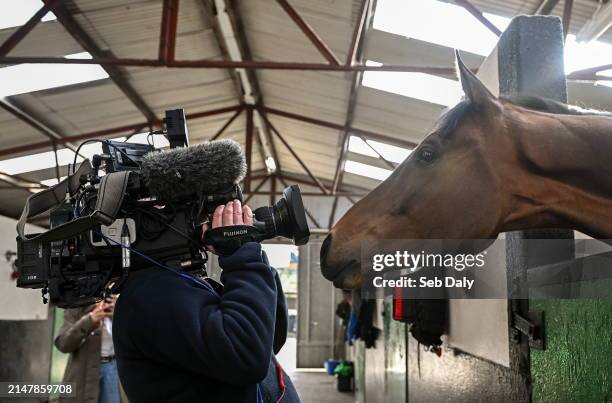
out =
column 25, row 322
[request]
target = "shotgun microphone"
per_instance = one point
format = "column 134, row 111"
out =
column 208, row 168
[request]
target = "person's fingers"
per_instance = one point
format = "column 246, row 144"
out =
column 238, row 213
column 247, row 215
column 206, row 226
column 218, row 217
column 228, row 214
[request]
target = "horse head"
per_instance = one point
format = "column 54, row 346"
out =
column 446, row 188
column 489, row 165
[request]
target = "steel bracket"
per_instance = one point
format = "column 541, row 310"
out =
column 531, row 326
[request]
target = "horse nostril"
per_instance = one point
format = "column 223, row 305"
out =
column 325, row 247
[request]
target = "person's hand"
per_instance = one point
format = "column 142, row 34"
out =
column 232, row 213
column 103, row 309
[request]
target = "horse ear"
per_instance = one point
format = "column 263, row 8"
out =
column 473, row 88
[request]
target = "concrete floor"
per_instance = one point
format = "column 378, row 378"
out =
column 313, row 384
column 318, row 387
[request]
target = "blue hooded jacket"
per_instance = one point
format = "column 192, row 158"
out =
column 178, row 340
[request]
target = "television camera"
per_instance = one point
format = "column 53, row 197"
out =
column 133, row 207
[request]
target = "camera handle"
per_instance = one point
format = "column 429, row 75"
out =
column 226, row 240
column 108, row 203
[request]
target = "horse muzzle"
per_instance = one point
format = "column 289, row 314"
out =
column 344, row 273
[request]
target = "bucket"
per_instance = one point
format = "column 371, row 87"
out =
column 344, row 383
column 330, row 366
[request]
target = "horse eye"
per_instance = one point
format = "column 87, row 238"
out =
column 427, row 155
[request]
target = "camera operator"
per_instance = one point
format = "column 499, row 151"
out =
column 86, row 335
column 177, row 339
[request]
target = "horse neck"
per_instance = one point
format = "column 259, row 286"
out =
column 560, row 173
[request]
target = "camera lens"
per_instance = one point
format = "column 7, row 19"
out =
column 286, row 218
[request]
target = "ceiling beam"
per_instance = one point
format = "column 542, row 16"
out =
column 105, row 133
column 294, row 154
column 590, row 74
column 268, row 145
column 305, row 180
column 25, row 29
column 251, row 194
column 230, row 64
column 546, row 7
column 108, row 132
column 567, row 16
column 169, row 23
column 209, row 14
column 472, row 9
column 310, row 33
column 115, row 73
column 363, row 24
column 308, row 213
column 332, row 214
column 305, row 194
column 227, row 124
column 233, row 39
column 360, row 26
column 589, row 78
column 244, row 64
column 248, row 146
column 272, row 189
column 335, row 126
column 19, row 182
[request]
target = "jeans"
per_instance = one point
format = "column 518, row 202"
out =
column 109, row 383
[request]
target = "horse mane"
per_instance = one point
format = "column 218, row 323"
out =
column 547, row 105
column 451, row 118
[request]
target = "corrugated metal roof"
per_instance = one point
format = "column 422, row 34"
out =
column 46, row 39
column 582, row 11
column 82, row 108
column 131, row 29
column 15, row 132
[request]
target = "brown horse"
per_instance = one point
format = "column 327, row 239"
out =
column 490, row 165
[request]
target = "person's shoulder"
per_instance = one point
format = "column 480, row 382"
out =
column 168, row 287
column 145, row 278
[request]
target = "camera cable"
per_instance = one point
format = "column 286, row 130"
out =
column 158, row 264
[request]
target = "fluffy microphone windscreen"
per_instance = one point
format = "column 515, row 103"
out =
column 179, row 172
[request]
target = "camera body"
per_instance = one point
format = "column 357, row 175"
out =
column 109, row 225
column 76, row 271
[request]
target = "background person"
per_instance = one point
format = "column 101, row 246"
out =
column 343, row 311
column 86, row 335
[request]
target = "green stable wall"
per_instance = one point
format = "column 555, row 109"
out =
column 577, row 363
column 576, row 366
